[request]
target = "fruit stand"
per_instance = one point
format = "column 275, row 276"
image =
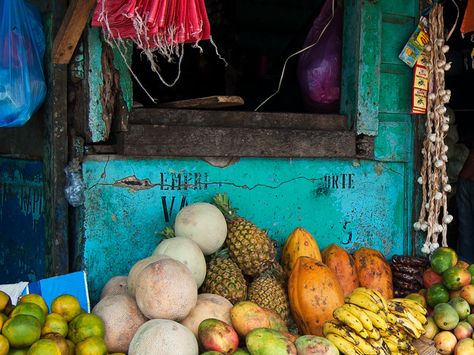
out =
column 215, row 231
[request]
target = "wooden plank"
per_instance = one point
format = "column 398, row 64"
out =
column 55, row 155
column 369, row 68
column 154, row 140
column 210, row 102
column 101, row 149
column 199, row 118
column 70, row 31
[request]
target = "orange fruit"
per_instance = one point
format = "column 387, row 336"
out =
column 5, row 301
column 4, row 345
column 43, row 347
column 36, row 299
column 71, row 346
column 55, row 323
column 66, row 305
column 22, row 330
column 3, row 317
column 29, row 309
column 84, row 326
column 91, row 346
column 23, row 351
column 60, row 342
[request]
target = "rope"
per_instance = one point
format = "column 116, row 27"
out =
column 433, row 174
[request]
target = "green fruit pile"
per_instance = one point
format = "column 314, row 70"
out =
column 29, row 328
column 449, row 292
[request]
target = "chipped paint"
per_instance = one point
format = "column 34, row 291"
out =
column 123, row 60
column 97, row 126
column 336, row 201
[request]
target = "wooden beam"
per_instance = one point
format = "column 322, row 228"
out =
column 153, row 140
column 70, row 31
column 199, row 118
column 210, row 102
column 55, row 156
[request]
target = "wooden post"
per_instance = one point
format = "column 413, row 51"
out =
column 70, row 31
column 55, row 151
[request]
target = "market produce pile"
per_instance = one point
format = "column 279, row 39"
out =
column 214, row 285
column 32, row 328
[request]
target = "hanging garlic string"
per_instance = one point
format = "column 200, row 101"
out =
column 433, row 174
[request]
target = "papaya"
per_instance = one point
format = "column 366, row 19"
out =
column 314, row 293
column 299, row 243
column 374, row 271
column 342, row 264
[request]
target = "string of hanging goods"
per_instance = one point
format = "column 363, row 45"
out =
column 155, row 26
column 434, row 215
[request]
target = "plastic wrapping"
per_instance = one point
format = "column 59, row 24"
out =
column 22, row 83
column 74, row 190
column 319, row 67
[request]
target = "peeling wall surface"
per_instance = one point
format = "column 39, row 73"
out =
column 22, row 251
column 129, row 202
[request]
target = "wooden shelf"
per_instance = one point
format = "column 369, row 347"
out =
column 198, row 133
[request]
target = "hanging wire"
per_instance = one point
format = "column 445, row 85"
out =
column 297, row 53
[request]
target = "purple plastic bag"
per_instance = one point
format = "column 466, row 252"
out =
column 319, row 68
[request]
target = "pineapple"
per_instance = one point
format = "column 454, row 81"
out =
column 249, row 246
column 269, row 291
column 225, row 279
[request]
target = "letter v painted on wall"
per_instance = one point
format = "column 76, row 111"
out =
column 168, row 204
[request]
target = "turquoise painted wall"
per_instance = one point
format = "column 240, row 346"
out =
column 352, row 203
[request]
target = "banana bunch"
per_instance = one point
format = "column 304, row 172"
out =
column 368, row 324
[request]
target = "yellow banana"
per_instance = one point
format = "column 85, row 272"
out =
column 352, row 321
column 404, row 312
column 391, row 318
column 412, row 304
column 401, row 344
column 374, row 334
column 409, row 327
column 407, row 306
column 362, row 300
column 344, row 346
column 377, row 295
column 377, row 320
column 394, row 330
column 360, row 314
column 393, row 346
column 416, row 323
column 364, row 345
column 380, row 346
column 339, row 328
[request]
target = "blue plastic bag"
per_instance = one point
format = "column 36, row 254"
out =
column 22, row 43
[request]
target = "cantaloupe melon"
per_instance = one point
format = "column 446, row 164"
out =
column 117, row 285
column 166, row 289
column 163, row 337
column 122, row 318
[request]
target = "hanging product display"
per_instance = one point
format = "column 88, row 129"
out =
column 155, row 26
column 434, row 215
